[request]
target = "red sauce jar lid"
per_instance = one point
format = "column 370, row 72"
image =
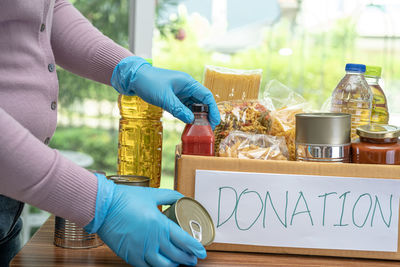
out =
column 378, row 131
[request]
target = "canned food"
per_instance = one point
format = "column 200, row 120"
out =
column 68, row 235
column 192, row 217
column 323, row 137
column 131, row 180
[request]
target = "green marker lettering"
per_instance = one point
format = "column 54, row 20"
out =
column 237, row 203
column 219, row 205
column 323, row 214
column 268, row 196
column 341, row 214
column 369, row 209
column 301, row 196
column 380, row 209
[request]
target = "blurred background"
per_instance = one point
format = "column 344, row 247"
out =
column 304, row 44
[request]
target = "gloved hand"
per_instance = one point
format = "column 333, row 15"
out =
column 171, row 90
column 128, row 221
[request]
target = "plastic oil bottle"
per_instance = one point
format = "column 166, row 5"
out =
column 380, row 112
column 352, row 95
column 140, row 139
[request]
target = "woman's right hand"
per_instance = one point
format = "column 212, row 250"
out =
column 128, row 221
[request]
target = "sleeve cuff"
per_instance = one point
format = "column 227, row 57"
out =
column 105, row 191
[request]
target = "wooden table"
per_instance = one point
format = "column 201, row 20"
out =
column 40, row 251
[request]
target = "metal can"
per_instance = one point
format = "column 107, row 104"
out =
column 68, row 235
column 192, row 217
column 323, row 137
column 131, row 180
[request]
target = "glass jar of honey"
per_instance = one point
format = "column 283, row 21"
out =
column 378, row 144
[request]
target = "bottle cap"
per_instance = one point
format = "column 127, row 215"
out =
column 355, row 67
column 373, row 71
column 378, row 131
column 199, row 108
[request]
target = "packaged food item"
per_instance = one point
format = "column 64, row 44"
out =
column 131, row 180
column 246, row 116
column 285, row 104
column 380, row 111
column 323, row 137
column 284, row 124
column 253, row 146
column 193, row 218
column 198, row 137
column 68, row 234
column 232, row 84
column 378, row 144
column 140, row 139
column 352, row 95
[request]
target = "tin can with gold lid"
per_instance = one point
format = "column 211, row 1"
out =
column 192, row 217
column 323, row 137
column 131, row 180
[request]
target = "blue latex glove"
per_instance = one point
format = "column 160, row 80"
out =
column 171, row 90
column 128, row 221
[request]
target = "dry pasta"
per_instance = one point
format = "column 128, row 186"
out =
column 245, row 116
column 253, row 146
column 232, row 84
column 284, row 124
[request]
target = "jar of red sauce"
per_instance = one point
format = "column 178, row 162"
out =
column 378, row 144
column 198, row 137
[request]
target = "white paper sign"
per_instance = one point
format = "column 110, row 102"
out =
column 304, row 211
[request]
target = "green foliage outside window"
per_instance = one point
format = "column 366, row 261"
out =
column 314, row 69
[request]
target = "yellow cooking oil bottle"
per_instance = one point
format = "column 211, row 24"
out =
column 353, row 96
column 140, row 138
column 380, row 112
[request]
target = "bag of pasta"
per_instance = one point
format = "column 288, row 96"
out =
column 232, row 84
column 253, row 146
column 247, row 116
column 285, row 104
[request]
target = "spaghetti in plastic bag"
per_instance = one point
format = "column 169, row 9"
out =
column 232, row 84
column 253, row 146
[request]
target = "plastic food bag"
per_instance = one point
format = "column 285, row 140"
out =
column 245, row 116
column 232, row 84
column 253, row 146
column 285, row 104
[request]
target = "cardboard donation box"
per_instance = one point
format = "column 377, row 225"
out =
column 286, row 207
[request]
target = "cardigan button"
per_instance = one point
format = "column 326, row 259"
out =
column 51, row 67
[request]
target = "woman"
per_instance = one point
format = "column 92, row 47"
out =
column 34, row 36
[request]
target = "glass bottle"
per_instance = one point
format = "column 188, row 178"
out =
column 140, row 139
column 378, row 144
column 352, row 95
column 380, row 112
column 198, row 137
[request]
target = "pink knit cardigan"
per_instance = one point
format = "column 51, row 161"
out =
column 34, row 36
